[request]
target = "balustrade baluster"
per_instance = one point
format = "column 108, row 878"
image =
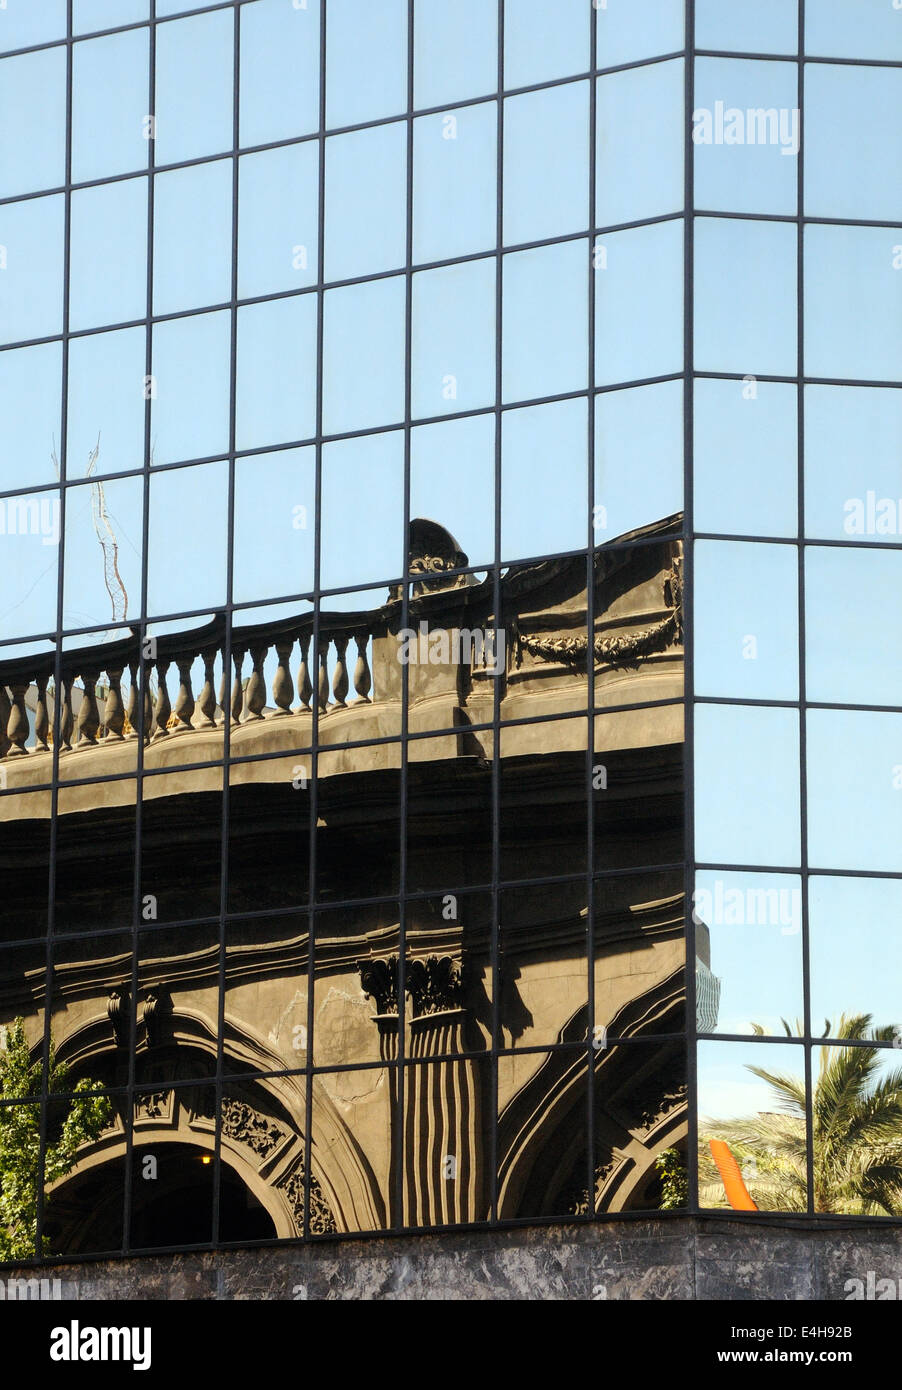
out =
column 281, row 685
column 41, row 718
column 5, row 712
column 113, row 713
column 184, row 704
column 237, row 687
column 163, row 708
column 363, row 681
column 305, row 688
column 322, row 683
column 207, row 701
column 133, row 698
column 67, row 722
column 340, row 675
column 256, row 686
column 88, row 723
column 17, row 724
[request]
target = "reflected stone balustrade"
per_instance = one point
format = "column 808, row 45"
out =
column 353, row 669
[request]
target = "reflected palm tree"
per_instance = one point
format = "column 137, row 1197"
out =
column 857, row 1134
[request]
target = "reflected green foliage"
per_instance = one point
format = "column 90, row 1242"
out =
column 857, row 1133
column 84, row 1119
column 671, row 1164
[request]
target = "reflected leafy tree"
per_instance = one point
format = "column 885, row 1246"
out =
column 82, row 1120
column 857, row 1133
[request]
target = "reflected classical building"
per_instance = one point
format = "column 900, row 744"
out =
column 397, row 1043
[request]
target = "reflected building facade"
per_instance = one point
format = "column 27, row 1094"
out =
column 432, row 441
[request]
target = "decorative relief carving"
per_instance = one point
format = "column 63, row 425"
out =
column 117, row 1012
column 379, row 981
column 432, row 982
column 434, row 985
column 154, row 1105
column 322, row 1222
column 616, row 651
column 243, row 1124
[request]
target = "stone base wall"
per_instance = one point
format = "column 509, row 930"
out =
column 680, row 1259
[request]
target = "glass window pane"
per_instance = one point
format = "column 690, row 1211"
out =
column 542, row 43
column 639, row 150
column 747, row 785
column 857, row 753
column 88, row 16
column 748, row 933
column 366, row 201
column 92, row 594
column 869, row 29
column 106, row 402
column 543, row 506
column 23, row 23
column 745, row 296
column 275, row 503
column 632, row 29
column 852, row 606
column 452, row 481
column 455, row 52
column 768, row 26
column 108, row 277
column 194, row 66
column 546, row 163
column 853, row 442
column 861, row 914
column 755, row 426
column 280, row 57
column 853, row 302
column 276, row 372
column 545, row 317
column 363, row 356
column 751, row 1107
column 192, row 248
column 453, row 344
column 366, row 61
column 746, row 620
column 30, row 394
column 31, row 286
column 33, row 106
column 31, row 523
column 366, row 541
column 109, row 105
column 639, row 281
column 454, row 182
column 190, row 405
column 747, row 135
column 278, row 197
column 188, row 518
column 638, row 458
column 853, row 142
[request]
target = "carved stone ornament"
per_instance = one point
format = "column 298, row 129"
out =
column 379, row 981
column 617, row 651
column 322, row 1222
column 434, row 985
column 244, row 1125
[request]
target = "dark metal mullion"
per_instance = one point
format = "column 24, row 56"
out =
column 688, row 603
column 803, row 738
column 57, row 677
column 398, row 1123
column 227, row 647
column 491, row 1188
column 142, row 675
column 590, row 627
column 313, row 667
